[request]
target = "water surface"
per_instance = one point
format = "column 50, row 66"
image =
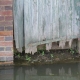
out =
column 66, row 71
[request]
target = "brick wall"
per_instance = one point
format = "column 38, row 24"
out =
column 6, row 30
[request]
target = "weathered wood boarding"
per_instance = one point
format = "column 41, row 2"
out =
column 45, row 21
column 18, row 23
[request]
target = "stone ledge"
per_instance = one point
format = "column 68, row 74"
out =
column 6, row 63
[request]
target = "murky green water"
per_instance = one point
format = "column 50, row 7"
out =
column 67, row 71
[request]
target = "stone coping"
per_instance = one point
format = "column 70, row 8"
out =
column 6, row 63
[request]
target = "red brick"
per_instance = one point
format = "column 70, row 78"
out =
column 8, row 38
column 2, row 28
column 9, row 44
column 3, row 13
column 5, row 2
column 1, row 8
column 6, row 33
column 9, row 28
column 1, row 48
column 2, row 38
column 5, row 53
column 8, row 48
column 6, row 23
column 1, row 18
column 8, row 7
column 8, row 18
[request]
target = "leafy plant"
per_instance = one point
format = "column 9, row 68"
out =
column 72, row 51
column 52, row 56
column 28, row 58
column 18, row 55
column 76, row 51
column 42, row 53
column 15, row 52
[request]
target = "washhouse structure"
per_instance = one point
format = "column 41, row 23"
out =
column 38, row 22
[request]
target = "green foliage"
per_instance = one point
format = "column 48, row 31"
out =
column 28, row 58
column 52, row 56
column 42, row 53
column 72, row 51
column 76, row 51
column 18, row 55
column 15, row 52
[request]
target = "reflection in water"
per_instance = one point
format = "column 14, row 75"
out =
column 62, row 72
column 31, row 72
column 46, row 72
column 6, row 73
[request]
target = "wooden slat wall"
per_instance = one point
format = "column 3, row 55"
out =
column 18, row 22
column 46, row 21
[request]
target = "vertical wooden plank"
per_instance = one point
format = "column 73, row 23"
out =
column 62, row 22
column 44, row 23
column 49, row 24
column 35, row 30
column 55, row 19
column 18, row 22
column 41, row 20
column 30, row 24
column 75, row 17
column 78, row 13
column 27, row 22
column 69, row 20
column 48, row 19
column 62, row 19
